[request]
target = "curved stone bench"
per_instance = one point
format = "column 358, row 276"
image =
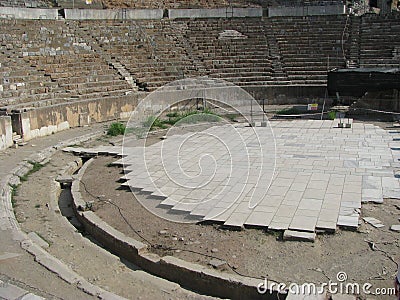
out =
column 193, row 276
column 9, row 222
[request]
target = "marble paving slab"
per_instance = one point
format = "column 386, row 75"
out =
column 303, row 175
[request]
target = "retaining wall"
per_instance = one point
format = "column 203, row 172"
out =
column 145, row 14
column 28, row 13
column 50, row 119
column 113, row 14
column 196, row 277
column 215, row 13
column 46, row 120
column 287, row 94
column 299, row 11
column 6, row 131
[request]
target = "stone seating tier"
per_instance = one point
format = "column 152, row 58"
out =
column 380, row 41
column 64, row 61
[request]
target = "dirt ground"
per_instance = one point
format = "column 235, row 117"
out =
column 250, row 252
column 367, row 255
column 39, row 210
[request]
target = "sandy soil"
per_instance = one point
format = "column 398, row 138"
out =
column 255, row 252
column 82, row 255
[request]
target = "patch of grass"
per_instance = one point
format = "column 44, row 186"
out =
column 288, row 111
column 153, row 123
column 24, row 177
column 172, row 118
column 231, row 117
column 116, row 129
column 14, row 188
column 149, row 121
column 139, row 132
column 158, row 124
column 35, row 167
column 175, row 117
column 172, row 114
column 332, row 115
column 187, row 117
column 75, row 145
column 198, row 117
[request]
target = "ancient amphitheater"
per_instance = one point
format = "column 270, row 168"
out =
column 237, row 172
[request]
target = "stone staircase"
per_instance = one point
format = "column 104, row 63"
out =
column 280, row 75
column 354, row 40
column 124, row 73
column 153, row 52
column 232, row 50
column 177, row 31
column 112, row 61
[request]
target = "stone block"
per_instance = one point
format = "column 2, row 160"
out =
column 293, row 235
column 395, row 228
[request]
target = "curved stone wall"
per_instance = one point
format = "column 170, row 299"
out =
column 193, row 276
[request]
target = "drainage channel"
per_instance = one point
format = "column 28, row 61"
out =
column 65, row 204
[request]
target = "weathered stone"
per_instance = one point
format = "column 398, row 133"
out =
column 217, row 263
column 395, row 228
column 9, row 291
column 293, row 235
column 38, row 240
column 64, row 179
column 374, row 222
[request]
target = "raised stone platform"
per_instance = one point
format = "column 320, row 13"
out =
column 320, row 174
